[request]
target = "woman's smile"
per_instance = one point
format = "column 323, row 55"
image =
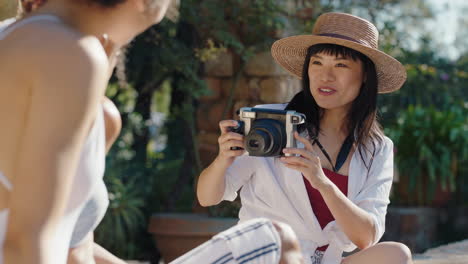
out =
column 326, row 91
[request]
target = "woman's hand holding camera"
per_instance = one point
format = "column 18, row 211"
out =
column 307, row 162
column 228, row 141
column 211, row 183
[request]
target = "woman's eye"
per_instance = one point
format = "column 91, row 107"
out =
column 341, row 65
column 316, row 63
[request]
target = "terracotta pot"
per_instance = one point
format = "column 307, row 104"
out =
column 176, row 234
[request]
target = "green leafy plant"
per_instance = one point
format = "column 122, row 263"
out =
column 430, row 146
column 123, row 217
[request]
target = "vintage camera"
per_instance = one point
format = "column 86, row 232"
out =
column 267, row 131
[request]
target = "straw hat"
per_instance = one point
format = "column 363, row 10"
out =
column 345, row 30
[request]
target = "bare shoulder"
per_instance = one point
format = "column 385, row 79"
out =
column 55, row 36
column 47, row 50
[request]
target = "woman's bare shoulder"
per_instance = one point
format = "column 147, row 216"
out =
column 46, row 47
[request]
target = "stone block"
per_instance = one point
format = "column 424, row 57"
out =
column 208, row 147
column 221, row 66
column 8, row 9
column 416, row 227
column 241, row 89
column 214, row 85
column 208, row 138
column 254, row 89
column 207, row 154
column 460, row 219
column 279, row 89
column 263, row 64
column 209, row 114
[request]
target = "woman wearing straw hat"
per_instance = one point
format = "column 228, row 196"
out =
column 334, row 192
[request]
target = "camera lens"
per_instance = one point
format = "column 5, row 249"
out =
column 267, row 137
column 254, row 143
column 258, row 141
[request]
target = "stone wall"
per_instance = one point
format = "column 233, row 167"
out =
column 421, row 228
column 262, row 81
column 8, row 9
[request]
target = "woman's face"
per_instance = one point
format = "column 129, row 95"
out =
column 335, row 81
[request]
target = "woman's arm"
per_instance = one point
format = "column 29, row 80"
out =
column 371, row 202
column 102, row 256
column 90, row 249
column 113, row 122
column 113, row 127
column 356, row 223
column 211, row 183
column 90, row 252
column 64, row 97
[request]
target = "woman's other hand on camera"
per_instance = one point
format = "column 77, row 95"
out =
column 307, row 162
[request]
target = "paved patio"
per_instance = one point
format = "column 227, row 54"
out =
column 453, row 253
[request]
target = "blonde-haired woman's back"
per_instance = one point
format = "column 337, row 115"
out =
column 52, row 82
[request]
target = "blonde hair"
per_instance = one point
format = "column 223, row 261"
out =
column 28, row 6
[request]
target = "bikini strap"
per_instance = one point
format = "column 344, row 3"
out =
column 342, row 155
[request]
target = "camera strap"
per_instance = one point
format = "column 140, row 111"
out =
column 342, row 155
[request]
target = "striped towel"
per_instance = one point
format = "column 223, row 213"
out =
column 255, row 242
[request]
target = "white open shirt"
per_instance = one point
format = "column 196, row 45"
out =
column 271, row 190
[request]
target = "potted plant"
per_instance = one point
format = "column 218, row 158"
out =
column 429, row 146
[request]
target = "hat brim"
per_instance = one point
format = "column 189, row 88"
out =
column 290, row 53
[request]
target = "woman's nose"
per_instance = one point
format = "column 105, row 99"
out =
column 327, row 74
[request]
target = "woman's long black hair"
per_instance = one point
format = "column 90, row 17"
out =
column 362, row 116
